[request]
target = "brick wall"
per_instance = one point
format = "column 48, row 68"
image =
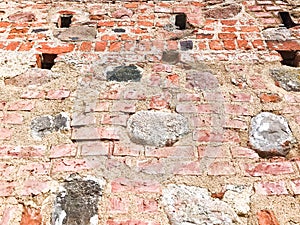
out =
column 108, row 106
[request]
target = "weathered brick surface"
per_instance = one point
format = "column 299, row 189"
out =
column 213, row 70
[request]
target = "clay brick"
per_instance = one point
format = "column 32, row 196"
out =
column 241, row 97
column 18, row 30
column 22, row 151
column 85, row 46
column 266, row 98
column 7, row 188
column 5, row 133
column 267, row 217
column 227, row 36
column 103, row 106
column 241, row 152
column 12, row 118
column 123, row 107
column 109, row 133
column 115, row 46
column 34, row 187
column 100, row 46
column 204, row 36
column 272, row 168
column 146, row 205
column 295, row 184
column 229, row 22
column 259, row 44
column 189, row 168
column 69, row 165
column 159, row 102
column 270, row 188
column 229, row 44
column 290, row 45
column 215, row 45
column 118, row 205
column 22, row 105
column 212, row 136
column 237, row 123
column 12, row 46
column 55, row 49
column 63, row 150
column 130, row 149
column 57, row 94
column 209, row 151
column 96, row 148
column 151, row 166
column 249, row 29
column 244, row 44
column 235, row 109
column 33, row 94
column 221, row 169
column 130, row 222
column 114, row 119
column 31, row 216
column 139, row 186
column 186, row 108
column 183, row 152
column 34, row 168
column 183, row 97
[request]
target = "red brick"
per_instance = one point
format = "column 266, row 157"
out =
column 244, row 44
column 267, row 217
column 134, row 94
column 227, row 36
column 146, row 205
column 229, row 29
column 171, row 152
column 266, row 98
column 249, row 29
column 55, row 49
column 115, row 46
column 182, row 97
column 213, row 136
column 11, row 118
column 188, row 168
column 123, row 107
column 5, row 24
column 96, row 148
column 103, row 106
column 241, row 152
column 34, row 187
column 57, row 94
column 22, row 105
column 201, row 121
column 130, row 222
column 115, row 119
column 18, row 30
column 8, row 171
column 5, row 133
column 235, row 109
column 255, row 8
column 202, row 45
column 86, row 46
column 295, row 184
column 259, row 44
column 271, row 188
column 204, row 36
column 109, row 133
column 186, row 108
column 33, row 94
column 221, row 169
column 162, row 68
column 31, row 216
column 118, row 205
column 12, row 46
column 7, row 188
column 34, row 168
column 229, row 44
column 241, row 97
column 159, row 102
column 100, row 46
column 263, row 14
column 215, row 45
column 151, row 166
column 63, row 150
column 229, row 22
column 85, row 133
column 124, row 149
column 291, row 45
column 69, row 165
column 22, row 151
column 208, row 151
column 139, row 186
column 264, row 168
column 236, row 123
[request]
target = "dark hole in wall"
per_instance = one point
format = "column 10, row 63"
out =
column 46, row 61
column 65, row 21
column 180, row 21
column 287, row 19
column 290, row 58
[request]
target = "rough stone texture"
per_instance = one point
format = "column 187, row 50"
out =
column 124, row 74
column 156, row 128
column 43, row 125
column 15, row 63
column 194, row 205
column 277, row 34
column 22, row 17
column 270, row 135
column 77, row 202
column 238, row 197
column 287, row 78
column 77, row 33
column 171, row 57
column 223, row 11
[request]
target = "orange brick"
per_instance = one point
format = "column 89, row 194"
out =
column 18, row 30
column 26, row 46
column 115, row 46
column 100, row 46
column 86, row 46
column 227, row 35
column 249, row 29
column 12, row 46
column 229, row 44
column 46, row 48
column 243, row 44
column 215, row 45
column 109, row 38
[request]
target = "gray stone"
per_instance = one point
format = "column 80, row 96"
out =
column 223, row 11
column 270, row 135
column 43, row 125
column 202, row 80
column 77, row 202
column 77, row 33
column 171, row 57
column 156, row 128
column 287, row 78
column 124, row 74
column 277, row 34
column 189, row 205
column 186, row 45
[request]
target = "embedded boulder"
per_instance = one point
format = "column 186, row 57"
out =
column 223, row 11
column 277, row 34
column 124, row 74
column 156, row 128
column 270, row 135
column 287, row 78
column 77, row 33
column 194, row 205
